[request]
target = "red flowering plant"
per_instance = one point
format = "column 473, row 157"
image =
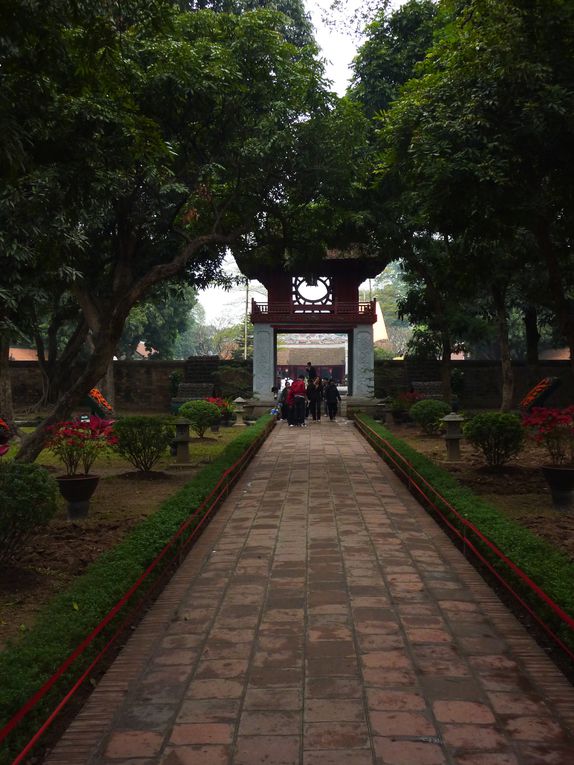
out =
column 554, row 430
column 78, row 442
column 224, row 405
column 4, row 437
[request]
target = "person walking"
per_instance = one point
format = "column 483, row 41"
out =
column 332, row 397
column 283, row 401
column 310, row 371
column 315, row 396
column 298, row 397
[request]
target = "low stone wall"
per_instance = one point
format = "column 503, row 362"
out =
column 141, row 385
column 481, row 386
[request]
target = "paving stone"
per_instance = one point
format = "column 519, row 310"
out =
column 392, row 752
column 193, row 755
column 335, row 735
column 267, row 750
column 124, row 744
column 462, row 712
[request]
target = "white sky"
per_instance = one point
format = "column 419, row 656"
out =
column 226, row 308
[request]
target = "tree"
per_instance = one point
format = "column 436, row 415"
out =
column 158, row 321
column 484, row 138
column 169, row 134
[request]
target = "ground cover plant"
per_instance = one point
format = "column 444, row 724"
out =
column 77, row 609
column 552, row 568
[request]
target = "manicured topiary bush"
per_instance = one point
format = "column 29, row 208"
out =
column 498, row 435
column 201, row 415
column 142, row 440
column 428, row 414
column 27, row 501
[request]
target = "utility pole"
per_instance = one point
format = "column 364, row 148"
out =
column 246, row 318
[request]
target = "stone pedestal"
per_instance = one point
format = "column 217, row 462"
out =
column 363, row 362
column 263, row 360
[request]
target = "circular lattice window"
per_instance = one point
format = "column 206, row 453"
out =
column 319, row 293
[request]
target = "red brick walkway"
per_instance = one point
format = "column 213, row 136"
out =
column 323, row 619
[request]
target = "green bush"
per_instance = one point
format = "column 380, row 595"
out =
column 27, row 500
column 201, row 415
column 142, row 440
column 74, row 613
column 428, row 414
column 549, row 568
column 498, row 435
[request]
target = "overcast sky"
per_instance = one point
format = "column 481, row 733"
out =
column 225, row 308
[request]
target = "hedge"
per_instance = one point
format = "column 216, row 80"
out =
column 73, row 614
column 547, row 567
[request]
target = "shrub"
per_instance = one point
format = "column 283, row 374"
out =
column 428, row 414
column 405, row 400
column 27, row 500
column 201, row 415
column 498, row 435
column 142, row 440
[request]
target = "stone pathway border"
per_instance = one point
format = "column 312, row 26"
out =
column 324, row 619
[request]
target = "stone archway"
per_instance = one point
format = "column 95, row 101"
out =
column 335, row 307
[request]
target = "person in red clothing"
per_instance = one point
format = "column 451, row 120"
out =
column 298, row 399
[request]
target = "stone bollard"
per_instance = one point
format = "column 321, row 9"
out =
column 181, row 441
column 453, row 435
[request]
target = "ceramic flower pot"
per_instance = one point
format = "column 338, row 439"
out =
column 560, row 479
column 77, row 491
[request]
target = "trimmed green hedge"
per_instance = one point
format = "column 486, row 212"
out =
column 549, row 568
column 73, row 614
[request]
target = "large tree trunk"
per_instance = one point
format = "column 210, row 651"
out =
column 505, row 360
column 446, row 366
column 532, row 335
column 6, row 405
column 532, row 340
column 562, row 306
column 95, row 369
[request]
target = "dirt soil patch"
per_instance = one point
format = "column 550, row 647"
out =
column 63, row 550
column 517, row 489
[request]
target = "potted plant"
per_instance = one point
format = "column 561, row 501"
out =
column 554, row 430
column 77, row 444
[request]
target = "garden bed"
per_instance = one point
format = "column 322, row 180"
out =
column 518, row 489
column 63, row 550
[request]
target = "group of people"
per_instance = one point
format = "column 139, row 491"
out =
column 306, row 396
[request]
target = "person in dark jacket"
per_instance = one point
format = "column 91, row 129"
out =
column 310, row 371
column 332, row 397
column 315, row 396
column 283, row 401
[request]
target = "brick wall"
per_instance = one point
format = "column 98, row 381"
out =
column 482, row 382
column 142, row 385
column 139, row 385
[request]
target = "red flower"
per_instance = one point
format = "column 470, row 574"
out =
column 553, row 429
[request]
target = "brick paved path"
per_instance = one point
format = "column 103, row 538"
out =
column 323, row 619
